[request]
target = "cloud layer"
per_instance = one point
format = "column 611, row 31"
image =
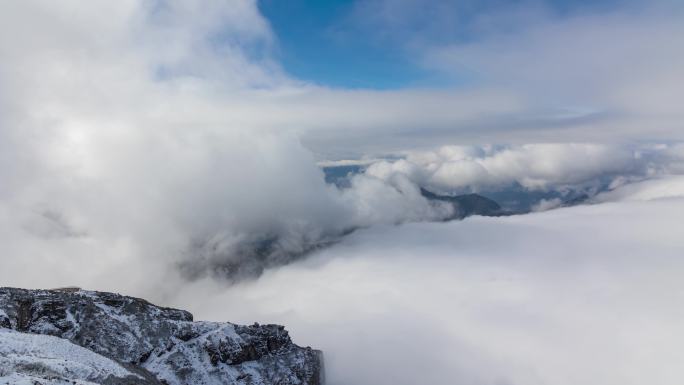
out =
column 587, row 294
column 155, row 134
column 131, row 137
column 539, row 166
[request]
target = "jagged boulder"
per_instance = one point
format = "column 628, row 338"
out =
column 162, row 341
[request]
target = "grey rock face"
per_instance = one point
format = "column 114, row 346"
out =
column 161, row 342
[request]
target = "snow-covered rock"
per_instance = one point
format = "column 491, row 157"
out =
column 163, row 342
column 39, row 359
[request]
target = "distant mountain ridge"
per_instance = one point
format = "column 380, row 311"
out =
column 466, row 205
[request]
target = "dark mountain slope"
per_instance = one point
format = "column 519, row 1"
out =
column 468, row 204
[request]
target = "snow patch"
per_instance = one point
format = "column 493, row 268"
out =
column 25, row 358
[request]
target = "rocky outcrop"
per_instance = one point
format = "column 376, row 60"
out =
column 161, row 342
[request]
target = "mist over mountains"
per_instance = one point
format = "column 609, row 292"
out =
column 201, row 153
column 232, row 232
column 430, row 192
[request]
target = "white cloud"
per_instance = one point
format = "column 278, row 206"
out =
column 541, row 166
column 143, row 127
column 133, row 134
column 547, row 204
column 657, row 188
column 141, row 60
column 623, row 67
column 588, row 294
column 527, row 72
column 137, row 134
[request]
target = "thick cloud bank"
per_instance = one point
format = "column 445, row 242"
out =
column 151, row 136
column 581, row 295
column 545, row 166
column 125, row 143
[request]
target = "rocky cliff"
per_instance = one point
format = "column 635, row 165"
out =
column 150, row 344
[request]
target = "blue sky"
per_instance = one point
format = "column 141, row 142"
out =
column 312, row 48
column 376, row 43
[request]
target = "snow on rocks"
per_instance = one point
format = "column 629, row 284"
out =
column 161, row 343
column 32, row 358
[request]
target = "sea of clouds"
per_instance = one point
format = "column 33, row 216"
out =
column 145, row 145
column 586, row 294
